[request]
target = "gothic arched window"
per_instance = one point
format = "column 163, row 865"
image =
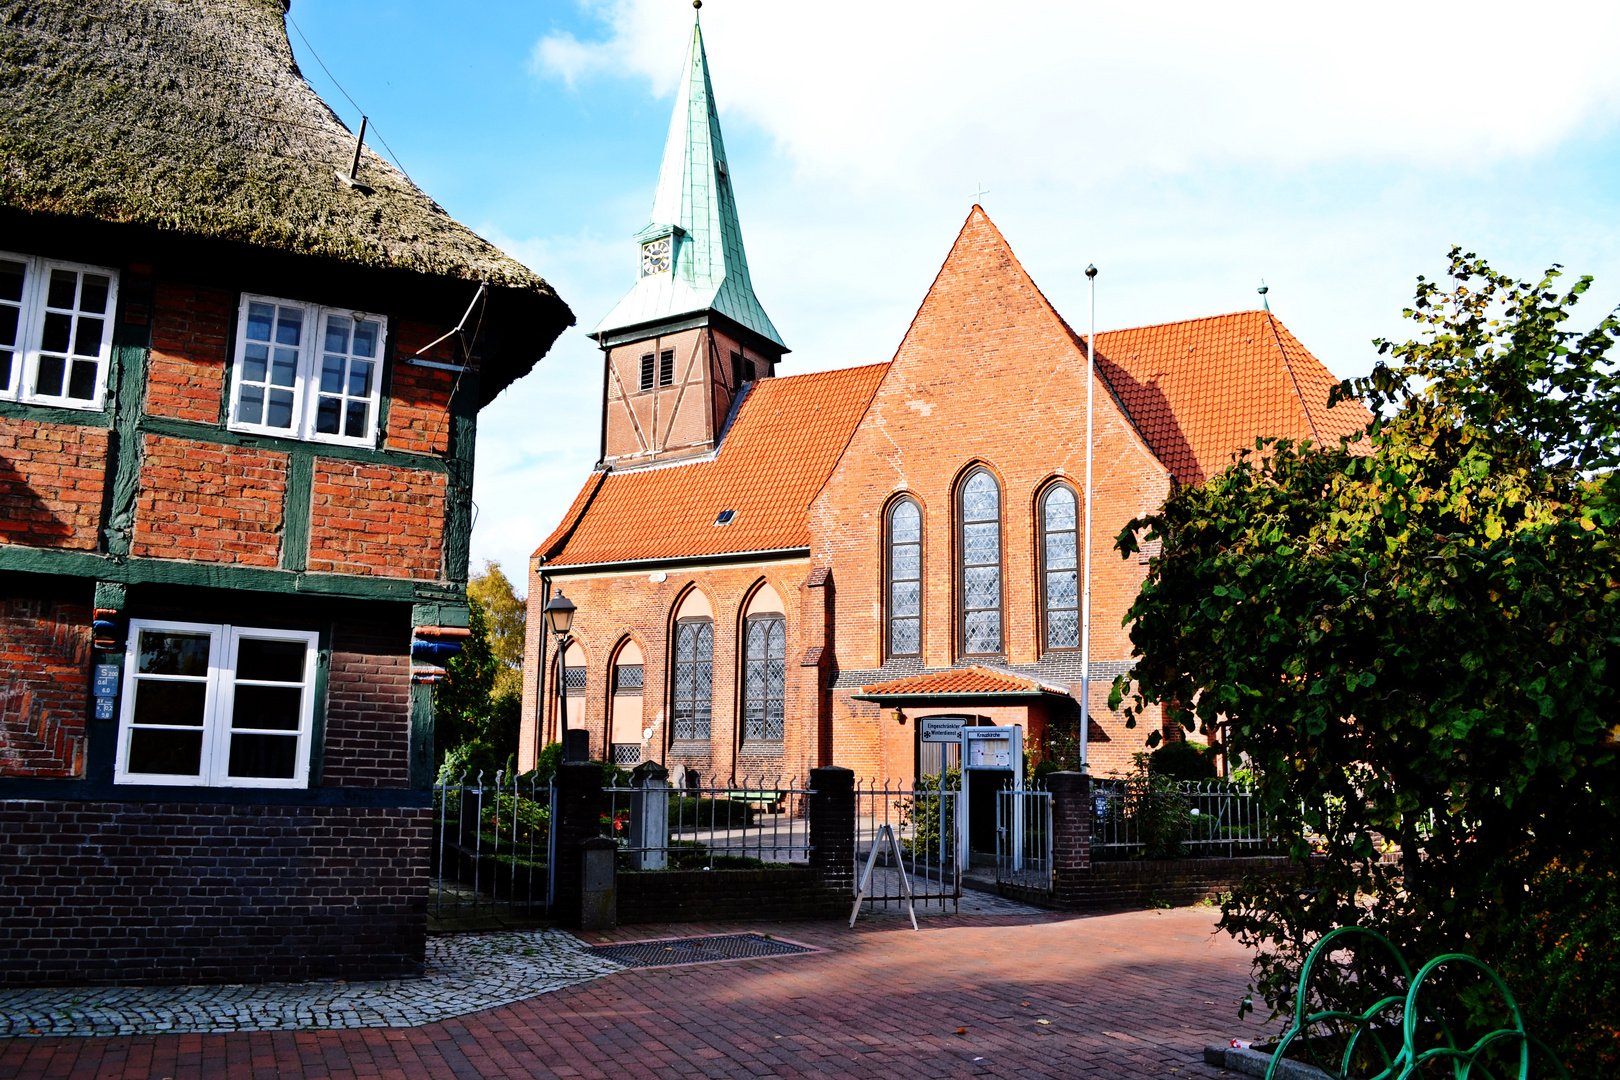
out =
column 905, row 579
column 694, row 677
column 981, row 564
column 1059, row 566
column 764, row 677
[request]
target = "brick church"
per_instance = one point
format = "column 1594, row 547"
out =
column 774, row 572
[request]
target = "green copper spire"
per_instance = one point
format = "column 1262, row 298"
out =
column 703, row 267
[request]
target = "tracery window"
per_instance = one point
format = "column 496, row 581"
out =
column 981, row 564
column 905, row 579
column 694, row 678
column 1059, row 553
column 764, row 678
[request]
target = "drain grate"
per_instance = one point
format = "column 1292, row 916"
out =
column 696, row 950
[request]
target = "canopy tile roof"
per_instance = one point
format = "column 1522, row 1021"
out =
column 958, row 682
column 785, row 439
column 1200, row 389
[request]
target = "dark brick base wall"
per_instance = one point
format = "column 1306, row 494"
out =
column 1172, row 882
column 725, row 895
column 177, row 893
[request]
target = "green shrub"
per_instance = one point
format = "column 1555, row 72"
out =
column 922, row 814
column 1182, row 760
column 1161, row 813
column 687, row 813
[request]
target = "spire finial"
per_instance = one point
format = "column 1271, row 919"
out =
column 1262, row 290
column 698, row 4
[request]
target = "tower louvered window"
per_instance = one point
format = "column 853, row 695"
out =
column 764, row 678
column 694, row 678
column 647, row 371
column 905, row 579
column 1060, row 566
column 981, row 565
column 666, row 368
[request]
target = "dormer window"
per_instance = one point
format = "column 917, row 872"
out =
column 656, row 256
column 725, row 517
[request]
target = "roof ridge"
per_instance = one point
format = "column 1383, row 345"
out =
column 1179, row 322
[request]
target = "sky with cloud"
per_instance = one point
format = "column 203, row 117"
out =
column 1189, row 150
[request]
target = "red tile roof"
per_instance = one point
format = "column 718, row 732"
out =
column 958, row 682
column 1201, row 389
column 786, row 437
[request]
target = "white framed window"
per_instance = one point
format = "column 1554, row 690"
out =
column 307, row 372
column 55, row 331
column 209, row 705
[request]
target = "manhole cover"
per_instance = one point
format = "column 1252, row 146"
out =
column 696, row 950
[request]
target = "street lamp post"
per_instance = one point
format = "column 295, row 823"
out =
column 559, row 612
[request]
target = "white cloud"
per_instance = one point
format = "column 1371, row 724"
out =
column 878, row 93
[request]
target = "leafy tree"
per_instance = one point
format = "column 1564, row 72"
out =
column 475, row 726
column 1413, row 638
column 504, row 616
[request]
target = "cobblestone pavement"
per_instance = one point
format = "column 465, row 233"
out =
column 465, row 973
column 1135, row 994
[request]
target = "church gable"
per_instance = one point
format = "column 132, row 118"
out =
column 988, row 376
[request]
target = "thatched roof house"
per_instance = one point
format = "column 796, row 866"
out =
column 190, row 118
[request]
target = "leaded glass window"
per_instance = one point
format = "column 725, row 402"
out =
column 1060, row 554
column 764, row 678
column 694, row 677
column 981, row 565
column 905, row 579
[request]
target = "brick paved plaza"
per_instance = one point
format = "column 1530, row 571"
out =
column 1126, row 995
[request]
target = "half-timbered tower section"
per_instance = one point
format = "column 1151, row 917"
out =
column 241, row 362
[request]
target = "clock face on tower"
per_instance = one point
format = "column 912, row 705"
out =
column 655, row 257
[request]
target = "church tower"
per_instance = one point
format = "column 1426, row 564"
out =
column 682, row 346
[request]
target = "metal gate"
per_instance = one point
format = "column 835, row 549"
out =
column 1024, row 839
column 493, row 847
column 927, row 823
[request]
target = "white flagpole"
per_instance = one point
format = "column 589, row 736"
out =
column 1085, row 594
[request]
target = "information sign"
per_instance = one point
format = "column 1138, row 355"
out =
column 106, row 681
column 104, row 708
column 989, row 748
column 941, row 728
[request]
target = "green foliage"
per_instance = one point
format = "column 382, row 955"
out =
column 550, row 759
column 1411, row 637
column 686, row 812
column 1160, row 811
column 504, row 619
column 475, row 728
column 1182, row 760
column 922, row 813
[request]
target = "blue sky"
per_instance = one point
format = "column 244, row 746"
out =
column 1189, row 150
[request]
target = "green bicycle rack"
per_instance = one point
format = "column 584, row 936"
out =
column 1367, row 1029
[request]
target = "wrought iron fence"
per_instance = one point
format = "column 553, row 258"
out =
column 1024, row 838
column 1136, row 817
column 757, row 822
column 925, row 824
column 492, row 846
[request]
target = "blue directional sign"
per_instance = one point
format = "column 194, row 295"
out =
column 106, row 681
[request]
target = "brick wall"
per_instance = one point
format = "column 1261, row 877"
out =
column 209, row 503
column 378, row 520
column 419, row 405
column 1159, row 882
column 612, row 608
column 368, row 707
column 177, row 893
column 190, row 338
column 44, row 686
column 51, row 479
column 987, row 375
column 795, row 892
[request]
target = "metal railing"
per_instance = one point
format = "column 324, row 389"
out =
column 1024, row 839
column 1135, row 817
column 756, row 822
column 492, row 846
column 924, row 821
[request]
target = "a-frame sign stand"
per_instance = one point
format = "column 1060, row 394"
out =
column 866, row 876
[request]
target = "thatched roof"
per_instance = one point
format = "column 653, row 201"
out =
column 191, row 116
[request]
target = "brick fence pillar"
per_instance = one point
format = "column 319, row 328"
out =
column 832, row 826
column 579, row 818
column 1071, row 836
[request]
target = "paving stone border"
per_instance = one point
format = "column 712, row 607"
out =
column 465, row 973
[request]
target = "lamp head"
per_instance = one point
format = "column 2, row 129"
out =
column 559, row 612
